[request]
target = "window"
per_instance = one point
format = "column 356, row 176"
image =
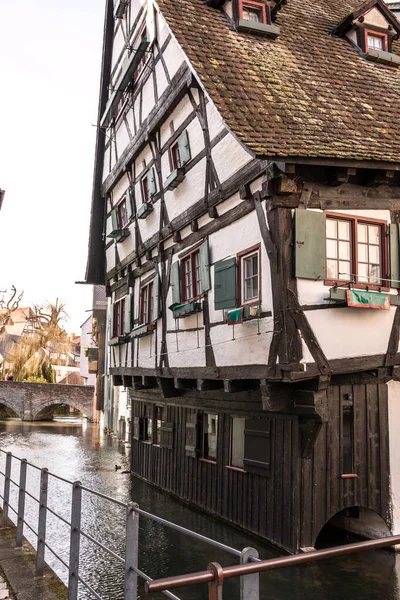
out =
column 191, row 276
column 209, row 436
column 158, row 417
column 147, row 424
column 146, row 303
column 122, row 214
column 253, row 11
column 347, row 438
column 355, row 251
column 118, row 320
column 376, row 41
column 179, row 151
column 237, row 442
column 175, row 156
column 249, row 276
column 148, row 185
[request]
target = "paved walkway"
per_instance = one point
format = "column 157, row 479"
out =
column 4, row 591
column 17, row 572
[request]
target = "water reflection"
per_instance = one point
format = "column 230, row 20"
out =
column 78, row 451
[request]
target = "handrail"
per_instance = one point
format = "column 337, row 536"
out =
column 132, row 514
column 216, row 572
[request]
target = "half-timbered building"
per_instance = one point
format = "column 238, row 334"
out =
column 245, row 219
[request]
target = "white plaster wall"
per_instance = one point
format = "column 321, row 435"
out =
column 348, row 332
column 394, row 451
column 162, row 82
column 148, row 100
column 214, row 120
column 179, row 114
column 245, row 344
column 174, row 57
column 86, row 340
column 191, row 322
column 162, row 29
column 118, row 46
column 229, row 156
column 151, row 224
column 122, row 137
column 110, row 257
column 147, row 351
column 186, row 353
column 375, row 17
column 135, row 6
column 128, row 245
column 188, row 192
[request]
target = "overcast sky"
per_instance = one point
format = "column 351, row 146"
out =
column 50, row 52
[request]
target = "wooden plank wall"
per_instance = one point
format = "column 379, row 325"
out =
column 324, row 492
column 259, row 504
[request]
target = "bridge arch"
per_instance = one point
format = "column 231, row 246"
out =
column 12, row 406
column 45, row 408
column 359, row 521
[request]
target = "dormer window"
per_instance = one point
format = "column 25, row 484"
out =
column 371, row 30
column 376, row 41
column 254, row 16
column 254, row 11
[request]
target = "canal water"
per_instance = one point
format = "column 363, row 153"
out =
column 77, row 451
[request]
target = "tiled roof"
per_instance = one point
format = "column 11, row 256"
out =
column 307, row 94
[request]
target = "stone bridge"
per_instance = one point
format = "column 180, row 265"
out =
column 37, row 401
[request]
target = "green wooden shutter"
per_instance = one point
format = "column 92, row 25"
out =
column 395, row 256
column 310, row 245
column 257, row 446
column 152, row 182
column 204, row 263
column 129, row 204
column 132, row 309
column 175, row 283
column 155, row 298
column 127, row 315
column 184, row 148
column 114, row 220
column 225, row 286
column 136, row 428
column 167, row 435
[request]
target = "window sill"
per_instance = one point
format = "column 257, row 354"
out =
column 232, row 468
column 271, row 31
column 208, row 461
column 186, row 309
column 357, row 286
column 349, row 476
column 381, row 56
column 174, row 179
column 144, row 210
column 117, row 340
column 119, row 235
column 142, row 330
column 147, row 442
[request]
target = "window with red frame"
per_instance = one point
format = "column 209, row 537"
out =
column 146, row 303
column 176, row 162
column 355, row 251
column 253, row 11
column 145, row 190
column 376, row 41
column 122, row 214
column 119, row 318
column 190, row 276
column 249, row 276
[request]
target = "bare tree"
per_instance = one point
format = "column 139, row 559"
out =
column 9, row 306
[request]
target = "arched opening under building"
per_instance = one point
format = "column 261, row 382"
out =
column 59, row 412
column 352, row 524
column 7, row 413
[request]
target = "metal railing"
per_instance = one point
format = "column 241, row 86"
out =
column 215, row 575
column 249, row 585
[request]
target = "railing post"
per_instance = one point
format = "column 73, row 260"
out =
column 249, row 584
column 6, row 494
column 132, row 552
column 21, row 503
column 76, row 507
column 44, row 477
column 215, row 586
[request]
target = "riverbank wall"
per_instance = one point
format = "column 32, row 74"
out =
column 18, row 566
